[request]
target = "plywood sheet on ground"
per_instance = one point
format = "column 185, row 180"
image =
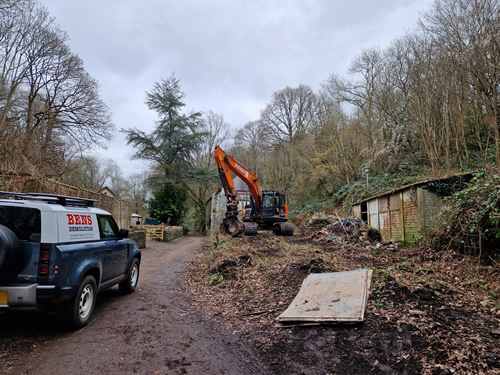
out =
column 330, row 297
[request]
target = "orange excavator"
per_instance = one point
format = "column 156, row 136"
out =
column 266, row 210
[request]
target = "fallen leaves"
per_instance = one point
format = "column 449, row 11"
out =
column 439, row 311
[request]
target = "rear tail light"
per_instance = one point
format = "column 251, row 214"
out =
column 45, row 255
column 44, row 264
column 43, row 270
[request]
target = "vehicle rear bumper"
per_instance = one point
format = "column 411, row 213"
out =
column 24, row 295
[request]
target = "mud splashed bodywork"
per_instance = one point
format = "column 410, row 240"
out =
column 330, row 297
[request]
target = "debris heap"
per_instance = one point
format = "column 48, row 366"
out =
column 346, row 230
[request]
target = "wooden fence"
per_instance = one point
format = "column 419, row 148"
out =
column 120, row 209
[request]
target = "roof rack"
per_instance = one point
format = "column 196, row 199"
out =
column 63, row 200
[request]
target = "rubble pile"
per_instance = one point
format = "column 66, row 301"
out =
column 348, row 230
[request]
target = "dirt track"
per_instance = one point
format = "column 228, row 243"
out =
column 152, row 331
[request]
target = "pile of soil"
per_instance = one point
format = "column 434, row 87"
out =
column 428, row 312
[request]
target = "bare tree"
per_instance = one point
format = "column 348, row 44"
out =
column 87, row 173
column 340, row 146
column 290, row 113
column 18, row 23
column 203, row 178
column 217, row 132
column 6, row 5
column 139, row 192
column 251, row 147
column 48, row 102
column 362, row 93
column 468, row 32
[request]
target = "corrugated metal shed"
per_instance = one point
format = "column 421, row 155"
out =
column 406, row 213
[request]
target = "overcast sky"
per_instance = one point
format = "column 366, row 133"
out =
column 229, row 55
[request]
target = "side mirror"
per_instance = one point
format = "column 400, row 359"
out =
column 123, row 233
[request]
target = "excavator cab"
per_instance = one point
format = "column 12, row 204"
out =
column 274, row 206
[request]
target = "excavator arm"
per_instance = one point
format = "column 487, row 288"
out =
column 227, row 164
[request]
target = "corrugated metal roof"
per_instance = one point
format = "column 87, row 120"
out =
column 417, row 183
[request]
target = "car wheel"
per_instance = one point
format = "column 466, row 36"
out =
column 130, row 283
column 10, row 253
column 76, row 313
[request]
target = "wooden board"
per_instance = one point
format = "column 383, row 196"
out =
column 330, row 297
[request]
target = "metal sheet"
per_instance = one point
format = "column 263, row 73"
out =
column 330, row 297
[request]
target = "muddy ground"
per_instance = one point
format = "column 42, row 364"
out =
column 428, row 313
column 151, row 331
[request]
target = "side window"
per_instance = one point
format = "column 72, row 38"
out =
column 107, row 227
column 24, row 222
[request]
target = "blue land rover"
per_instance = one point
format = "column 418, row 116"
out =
column 58, row 252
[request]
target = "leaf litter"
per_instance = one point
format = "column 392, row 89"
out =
column 429, row 312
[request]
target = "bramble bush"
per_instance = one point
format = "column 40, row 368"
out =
column 471, row 220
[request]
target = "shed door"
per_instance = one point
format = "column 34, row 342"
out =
column 373, row 213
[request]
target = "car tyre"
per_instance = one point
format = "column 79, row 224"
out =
column 130, row 283
column 77, row 312
column 10, row 253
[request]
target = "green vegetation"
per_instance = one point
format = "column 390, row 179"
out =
column 168, row 205
column 172, row 148
column 348, row 194
column 471, row 221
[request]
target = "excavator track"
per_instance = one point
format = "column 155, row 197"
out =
column 283, row 229
column 237, row 228
column 250, row 229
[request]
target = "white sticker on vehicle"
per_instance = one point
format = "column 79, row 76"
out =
column 78, row 227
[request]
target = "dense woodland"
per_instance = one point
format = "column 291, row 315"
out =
column 426, row 106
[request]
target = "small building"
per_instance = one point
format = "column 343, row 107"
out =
column 408, row 213
column 136, row 219
column 108, row 192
